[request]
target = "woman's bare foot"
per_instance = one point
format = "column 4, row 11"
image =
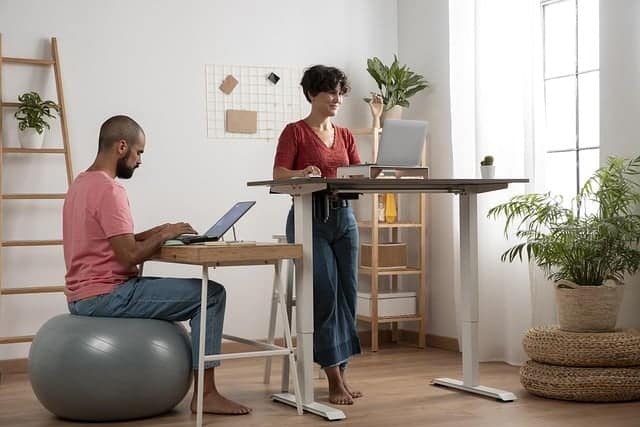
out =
column 338, row 394
column 214, row 403
column 354, row 393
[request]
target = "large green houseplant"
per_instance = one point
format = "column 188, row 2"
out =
column 32, row 115
column 586, row 249
column 397, row 83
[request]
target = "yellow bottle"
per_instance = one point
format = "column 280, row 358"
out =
column 390, row 208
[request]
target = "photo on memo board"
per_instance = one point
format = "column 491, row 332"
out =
column 241, row 121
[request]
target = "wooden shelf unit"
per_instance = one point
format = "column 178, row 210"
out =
column 374, row 272
column 54, row 62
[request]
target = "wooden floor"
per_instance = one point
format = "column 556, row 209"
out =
column 397, row 393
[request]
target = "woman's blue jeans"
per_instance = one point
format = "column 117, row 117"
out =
column 335, row 285
column 172, row 299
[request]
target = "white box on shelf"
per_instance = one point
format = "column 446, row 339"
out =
column 389, row 304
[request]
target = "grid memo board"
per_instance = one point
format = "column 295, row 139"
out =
column 275, row 104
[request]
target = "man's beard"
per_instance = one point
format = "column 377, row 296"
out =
column 122, row 170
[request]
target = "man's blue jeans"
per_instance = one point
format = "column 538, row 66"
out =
column 172, row 299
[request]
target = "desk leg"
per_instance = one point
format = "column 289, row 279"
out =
column 203, row 329
column 304, row 314
column 469, row 312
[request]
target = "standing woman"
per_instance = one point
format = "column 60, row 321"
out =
column 315, row 146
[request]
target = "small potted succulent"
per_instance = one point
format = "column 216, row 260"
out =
column 32, row 117
column 487, row 169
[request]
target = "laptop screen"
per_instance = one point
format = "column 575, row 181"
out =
column 401, row 143
column 228, row 219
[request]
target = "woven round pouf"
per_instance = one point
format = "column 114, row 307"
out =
column 581, row 384
column 549, row 344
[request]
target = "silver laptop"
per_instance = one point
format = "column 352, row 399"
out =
column 401, row 143
column 400, row 149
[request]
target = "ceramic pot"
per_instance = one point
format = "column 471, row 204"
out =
column 30, row 138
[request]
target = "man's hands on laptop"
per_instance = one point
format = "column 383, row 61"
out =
column 171, row 231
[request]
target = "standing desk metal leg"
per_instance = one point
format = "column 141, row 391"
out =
column 304, row 314
column 289, row 310
column 203, row 329
column 469, row 312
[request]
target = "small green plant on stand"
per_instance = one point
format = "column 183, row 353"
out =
column 32, row 115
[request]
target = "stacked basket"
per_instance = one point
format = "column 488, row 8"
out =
column 582, row 366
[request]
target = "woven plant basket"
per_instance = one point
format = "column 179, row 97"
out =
column 549, row 344
column 588, row 308
column 581, row 384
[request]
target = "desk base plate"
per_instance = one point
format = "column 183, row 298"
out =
column 505, row 396
column 325, row 411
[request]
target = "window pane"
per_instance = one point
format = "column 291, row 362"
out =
column 589, row 109
column 589, row 163
column 559, row 38
column 561, row 175
column 588, row 35
column 560, row 100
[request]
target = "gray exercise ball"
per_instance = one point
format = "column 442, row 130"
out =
column 109, row 369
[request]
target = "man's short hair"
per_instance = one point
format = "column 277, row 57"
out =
column 116, row 128
column 321, row 78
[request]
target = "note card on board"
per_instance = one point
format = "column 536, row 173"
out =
column 241, row 121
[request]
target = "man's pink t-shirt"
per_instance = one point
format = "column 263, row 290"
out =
column 96, row 208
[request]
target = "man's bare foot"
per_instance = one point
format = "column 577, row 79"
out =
column 214, row 403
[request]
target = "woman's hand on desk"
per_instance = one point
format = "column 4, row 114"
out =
column 311, row 170
column 284, row 173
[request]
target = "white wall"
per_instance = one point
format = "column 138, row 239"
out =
column 620, row 105
column 147, row 59
column 423, row 42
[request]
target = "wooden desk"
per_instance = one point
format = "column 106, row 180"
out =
column 234, row 255
column 467, row 189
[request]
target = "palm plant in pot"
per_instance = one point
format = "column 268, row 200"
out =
column 396, row 83
column 32, row 117
column 587, row 249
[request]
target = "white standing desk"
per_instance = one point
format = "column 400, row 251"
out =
column 302, row 190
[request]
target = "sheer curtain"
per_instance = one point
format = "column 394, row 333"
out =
column 496, row 94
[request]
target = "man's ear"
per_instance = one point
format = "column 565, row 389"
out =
column 121, row 147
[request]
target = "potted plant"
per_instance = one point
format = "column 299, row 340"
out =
column 32, row 117
column 487, row 169
column 586, row 249
column 396, row 84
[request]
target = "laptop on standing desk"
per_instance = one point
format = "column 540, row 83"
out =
column 218, row 229
column 400, row 149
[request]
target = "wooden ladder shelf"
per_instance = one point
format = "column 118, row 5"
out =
column 4, row 197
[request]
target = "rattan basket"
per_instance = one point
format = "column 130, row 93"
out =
column 550, row 344
column 581, row 384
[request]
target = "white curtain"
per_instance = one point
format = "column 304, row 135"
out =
column 496, row 94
